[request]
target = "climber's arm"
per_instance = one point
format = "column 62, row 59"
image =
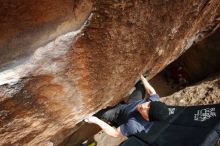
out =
column 105, row 127
column 147, row 86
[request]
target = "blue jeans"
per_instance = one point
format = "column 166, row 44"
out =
column 113, row 114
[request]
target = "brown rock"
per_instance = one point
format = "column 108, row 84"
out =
column 203, row 93
column 57, row 85
column 25, row 25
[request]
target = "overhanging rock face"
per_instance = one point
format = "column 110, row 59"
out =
column 55, row 86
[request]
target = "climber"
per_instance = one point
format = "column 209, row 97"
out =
column 135, row 116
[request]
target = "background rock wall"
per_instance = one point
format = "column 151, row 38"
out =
column 58, row 84
column 202, row 60
column 202, row 93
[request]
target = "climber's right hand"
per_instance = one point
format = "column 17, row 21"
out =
column 91, row 119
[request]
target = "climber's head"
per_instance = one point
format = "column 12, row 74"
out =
column 153, row 111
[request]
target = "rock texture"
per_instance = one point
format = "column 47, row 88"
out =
column 202, row 59
column 55, row 86
column 25, row 25
column 203, row 93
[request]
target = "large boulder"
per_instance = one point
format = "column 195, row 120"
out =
column 53, row 76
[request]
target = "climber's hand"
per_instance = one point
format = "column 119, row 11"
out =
column 142, row 77
column 91, row 119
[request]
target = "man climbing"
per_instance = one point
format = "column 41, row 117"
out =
column 137, row 115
